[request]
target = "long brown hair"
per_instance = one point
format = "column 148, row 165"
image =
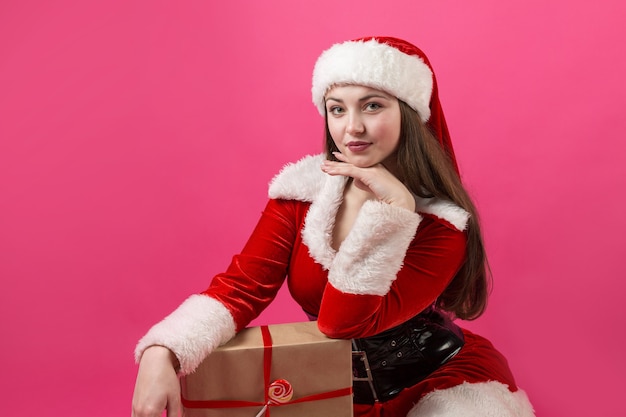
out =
column 427, row 171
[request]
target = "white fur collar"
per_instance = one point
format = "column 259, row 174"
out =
column 300, row 181
column 305, row 181
column 445, row 210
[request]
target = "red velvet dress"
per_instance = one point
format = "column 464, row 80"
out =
column 275, row 250
column 392, row 265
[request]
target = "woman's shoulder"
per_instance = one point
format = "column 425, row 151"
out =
column 302, row 180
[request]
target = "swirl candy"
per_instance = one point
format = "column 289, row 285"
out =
column 280, row 392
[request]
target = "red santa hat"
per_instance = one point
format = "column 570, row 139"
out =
column 388, row 64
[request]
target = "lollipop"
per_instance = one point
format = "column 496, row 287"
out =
column 280, row 392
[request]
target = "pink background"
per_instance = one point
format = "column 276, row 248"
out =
column 137, row 140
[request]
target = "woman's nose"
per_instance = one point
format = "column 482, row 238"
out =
column 355, row 125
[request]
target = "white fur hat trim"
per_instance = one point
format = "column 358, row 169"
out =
column 375, row 65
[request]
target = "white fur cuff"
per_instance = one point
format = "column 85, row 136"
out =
column 485, row 399
column 372, row 254
column 192, row 331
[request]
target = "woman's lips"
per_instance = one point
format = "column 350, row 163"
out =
column 358, row 146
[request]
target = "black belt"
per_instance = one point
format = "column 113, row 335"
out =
column 385, row 364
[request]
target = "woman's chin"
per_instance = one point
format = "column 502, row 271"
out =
column 363, row 162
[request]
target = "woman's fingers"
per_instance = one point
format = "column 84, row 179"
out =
column 340, row 168
column 377, row 180
column 340, row 156
column 174, row 406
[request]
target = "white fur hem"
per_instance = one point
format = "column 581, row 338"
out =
column 485, row 399
column 192, row 331
column 320, row 221
column 373, row 252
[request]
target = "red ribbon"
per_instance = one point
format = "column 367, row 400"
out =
column 267, row 366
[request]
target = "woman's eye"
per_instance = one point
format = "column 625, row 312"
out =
column 373, row 106
column 335, row 110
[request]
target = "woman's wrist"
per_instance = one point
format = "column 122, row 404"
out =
column 161, row 352
column 407, row 201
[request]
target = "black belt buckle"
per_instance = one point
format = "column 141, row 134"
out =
column 362, row 378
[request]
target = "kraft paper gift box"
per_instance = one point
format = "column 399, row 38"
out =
column 233, row 374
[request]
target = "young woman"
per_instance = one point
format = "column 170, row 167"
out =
column 373, row 236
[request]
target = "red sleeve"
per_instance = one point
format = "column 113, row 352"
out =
column 256, row 274
column 433, row 258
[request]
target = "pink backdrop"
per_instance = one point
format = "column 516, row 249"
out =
column 137, row 139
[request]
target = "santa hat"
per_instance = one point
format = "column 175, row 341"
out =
column 388, row 64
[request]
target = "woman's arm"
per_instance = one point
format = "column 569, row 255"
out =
column 235, row 297
column 353, row 308
column 393, row 263
column 176, row 345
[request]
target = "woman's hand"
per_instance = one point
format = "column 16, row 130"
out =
column 157, row 387
column 377, row 180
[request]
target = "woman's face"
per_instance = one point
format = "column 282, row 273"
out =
column 364, row 124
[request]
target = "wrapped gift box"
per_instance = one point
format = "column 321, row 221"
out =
column 233, row 374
